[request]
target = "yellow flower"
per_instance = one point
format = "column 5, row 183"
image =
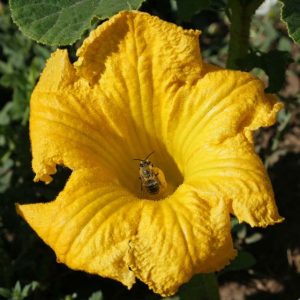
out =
column 139, row 85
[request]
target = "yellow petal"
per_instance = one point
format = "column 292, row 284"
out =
column 178, row 237
column 216, row 152
column 232, row 171
column 68, row 126
column 139, row 43
column 95, row 225
column 138, row 62
column 220, row 105
column 89, row 225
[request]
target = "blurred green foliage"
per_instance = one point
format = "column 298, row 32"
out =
column 21, row 63
column 17, row 292
column 28, row 269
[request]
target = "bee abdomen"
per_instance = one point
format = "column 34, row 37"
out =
column 153, row 187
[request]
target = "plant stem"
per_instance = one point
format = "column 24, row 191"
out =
column 241, row 16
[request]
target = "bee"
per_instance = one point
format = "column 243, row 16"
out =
column 148, row 176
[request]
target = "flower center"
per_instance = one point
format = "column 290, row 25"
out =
column 156, row 177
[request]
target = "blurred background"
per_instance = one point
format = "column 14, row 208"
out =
column 268, row 264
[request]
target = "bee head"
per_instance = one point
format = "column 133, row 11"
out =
column 144, row 163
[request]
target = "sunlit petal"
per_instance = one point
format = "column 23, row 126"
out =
column 232, row 171
column 178, row 237
column 220, row 105
column 90, row 224
column 77, row 133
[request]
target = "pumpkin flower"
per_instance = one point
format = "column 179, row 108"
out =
column 140, row 85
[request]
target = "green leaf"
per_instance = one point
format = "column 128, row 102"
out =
column 62, row 22
column 17, row 287
column 188, row 8
column 5, row 176
column 96, row 296
column 4, row 114
column 275, row 71
column 291, row 16
column 200, row 287
column 274, row 63
column 244, row 260
column 31, row 287
column 5, row 293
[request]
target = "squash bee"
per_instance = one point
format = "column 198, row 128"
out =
column 148, row 177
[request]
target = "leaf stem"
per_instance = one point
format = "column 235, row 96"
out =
column 241, row 16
